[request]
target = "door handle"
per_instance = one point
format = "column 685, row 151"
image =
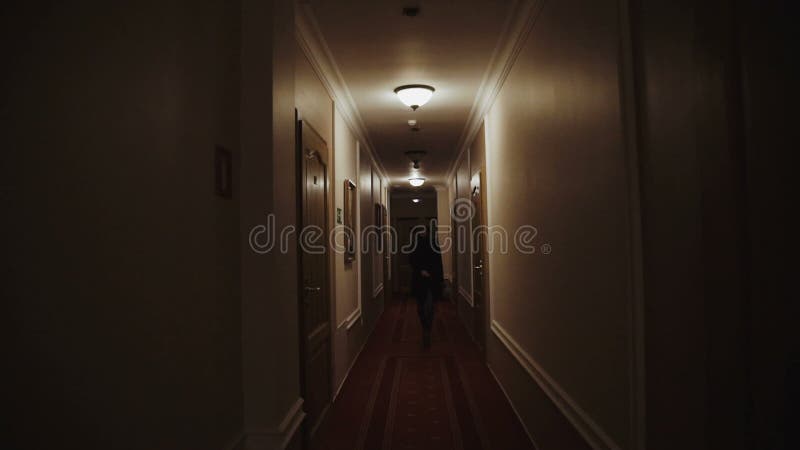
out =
column 478, row 267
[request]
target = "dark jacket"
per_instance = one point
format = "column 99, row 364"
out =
column 426, row 256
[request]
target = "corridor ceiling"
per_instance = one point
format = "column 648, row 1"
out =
column 448, row 46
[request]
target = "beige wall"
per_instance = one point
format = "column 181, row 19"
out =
column 314, row 104
column 346, row 163
column 477, row 153
column 269, row 281
column 556, row 161
column 630, row 144
column 121, row 266
column 352, row 322
column 372, row 305
column 351, row 331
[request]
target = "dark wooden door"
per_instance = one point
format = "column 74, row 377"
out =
column 479, row 263
column 315, row 331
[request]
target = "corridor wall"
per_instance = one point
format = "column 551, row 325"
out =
column 351, row 329
column 555, row 160
column 640, row 140
column 352, row 316
column 121, row 265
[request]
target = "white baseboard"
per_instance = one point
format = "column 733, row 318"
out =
column 279, row 437
column 351, row 319
column 514, row 408
column 597, row 438
column 467, row 296
column 353, row 362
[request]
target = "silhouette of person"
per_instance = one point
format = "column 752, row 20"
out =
column 426, row 278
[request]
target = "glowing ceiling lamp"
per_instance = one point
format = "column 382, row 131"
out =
column 415, row 200
column 416, row 181
column 414, row 95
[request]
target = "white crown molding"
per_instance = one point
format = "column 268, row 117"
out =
column 316, row 49
column 596, row 437
column 277, row 438
column 519, row 22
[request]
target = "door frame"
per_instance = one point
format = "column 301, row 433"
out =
column 486, row 318
column 308, row 433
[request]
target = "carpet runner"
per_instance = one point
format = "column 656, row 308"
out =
column 399, row 396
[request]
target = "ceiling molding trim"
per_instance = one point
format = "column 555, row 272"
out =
column 519, row 23
column 316, row 49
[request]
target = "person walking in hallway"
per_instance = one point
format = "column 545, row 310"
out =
column 426, row 278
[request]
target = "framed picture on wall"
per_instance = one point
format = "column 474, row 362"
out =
column 350, row 200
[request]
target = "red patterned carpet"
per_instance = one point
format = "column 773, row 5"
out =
column 401, row 397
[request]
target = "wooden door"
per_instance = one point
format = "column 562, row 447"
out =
column 479, row 263
column 315, row 344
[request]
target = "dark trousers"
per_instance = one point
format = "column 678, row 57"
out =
column 425, row 308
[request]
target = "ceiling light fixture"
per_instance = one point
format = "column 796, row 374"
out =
column 416, row 157
column 414, row 95
column 416, row 181
column 415, row 200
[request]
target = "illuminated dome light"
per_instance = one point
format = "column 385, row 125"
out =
column 415, row 200
column 414, row 95
column 416, row 181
